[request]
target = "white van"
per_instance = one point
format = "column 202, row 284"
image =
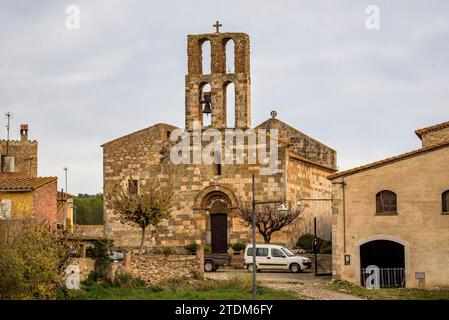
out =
column 274, row 257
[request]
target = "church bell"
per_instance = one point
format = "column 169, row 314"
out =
column 206, row 101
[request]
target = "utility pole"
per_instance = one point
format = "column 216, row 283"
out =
column 254, row 218
column 254, row 240
column 65, row 172
column 8, row 116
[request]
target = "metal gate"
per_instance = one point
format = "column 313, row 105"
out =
column 388, row 277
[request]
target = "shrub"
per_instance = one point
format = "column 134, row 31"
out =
column 167, row 251
column 238, row 246
column 197, row 275
column 157, row 250
column 192, row 248
column 127, row 281
column 207, row 248
column 326, row 247
column 101, row 251
column 305, row 242
column 33, row 260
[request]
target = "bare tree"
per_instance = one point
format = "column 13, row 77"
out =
column 268, row 218
column 144, row 206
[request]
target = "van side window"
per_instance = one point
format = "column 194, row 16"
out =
column 277, row 253
column 260, row 252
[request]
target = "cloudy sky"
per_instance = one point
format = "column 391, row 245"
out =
column 362, row 92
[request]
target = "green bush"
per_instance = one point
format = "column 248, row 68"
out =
column 207, row 248
column 192, row 248
column 167, row 251
column 197, row 275
column 33, row 259
column 127, row 281
column 101, row 251
column 157, row 250
column 238, row 246
column 326, row 247
column 305, row 242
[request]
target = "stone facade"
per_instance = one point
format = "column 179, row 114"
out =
column 204, row 190
column 23, row 151
column 434, row 135
column 418, row 179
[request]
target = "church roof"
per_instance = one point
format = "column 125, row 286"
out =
column 267, row 123
column 390, row 160
column 436, row 127
column 169, row 126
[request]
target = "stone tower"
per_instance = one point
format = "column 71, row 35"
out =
column 218, row 80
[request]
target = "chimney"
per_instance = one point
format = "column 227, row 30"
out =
column 23, row 132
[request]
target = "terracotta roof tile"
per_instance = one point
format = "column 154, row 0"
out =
column 436, row 127
column 24, row 183
column 389, row 160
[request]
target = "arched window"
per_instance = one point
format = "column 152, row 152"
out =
column 386, row 202
column 230, row 59
column 205, row 95
column 206, row 57
column 445, row 199
column 229, row 101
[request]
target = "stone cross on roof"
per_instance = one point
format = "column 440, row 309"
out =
column 217, row 25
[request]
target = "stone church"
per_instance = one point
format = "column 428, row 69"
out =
column 206, row 195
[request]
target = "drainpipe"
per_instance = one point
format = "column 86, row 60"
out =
column 343, row 184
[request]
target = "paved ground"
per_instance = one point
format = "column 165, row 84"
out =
column 305, row 285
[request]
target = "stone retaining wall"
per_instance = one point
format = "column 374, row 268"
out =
column 156, row 268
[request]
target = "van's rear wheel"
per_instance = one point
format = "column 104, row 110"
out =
column 295, row 268
column 209, row 266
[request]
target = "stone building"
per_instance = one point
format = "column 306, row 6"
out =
column 207, row 194
column 28, row 198
column 394, row 214
column 19, row 156
column 24, row 195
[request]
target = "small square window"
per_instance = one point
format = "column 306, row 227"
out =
column 133, row 186
column 5, row 209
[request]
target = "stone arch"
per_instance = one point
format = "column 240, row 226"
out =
column 217, row 204
column 392, row 238
column 203, row 196
column 205, row 46
column 229, row 103
column 229, row 48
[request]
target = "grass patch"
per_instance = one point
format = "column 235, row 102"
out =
column 238, row 288
column 389, row 294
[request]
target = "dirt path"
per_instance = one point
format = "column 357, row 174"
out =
column 305, row 285
column 311, row 291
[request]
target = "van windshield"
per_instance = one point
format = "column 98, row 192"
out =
column 287, row 252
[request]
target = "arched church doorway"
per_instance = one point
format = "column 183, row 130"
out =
column 389, row 257
column 218, row 226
